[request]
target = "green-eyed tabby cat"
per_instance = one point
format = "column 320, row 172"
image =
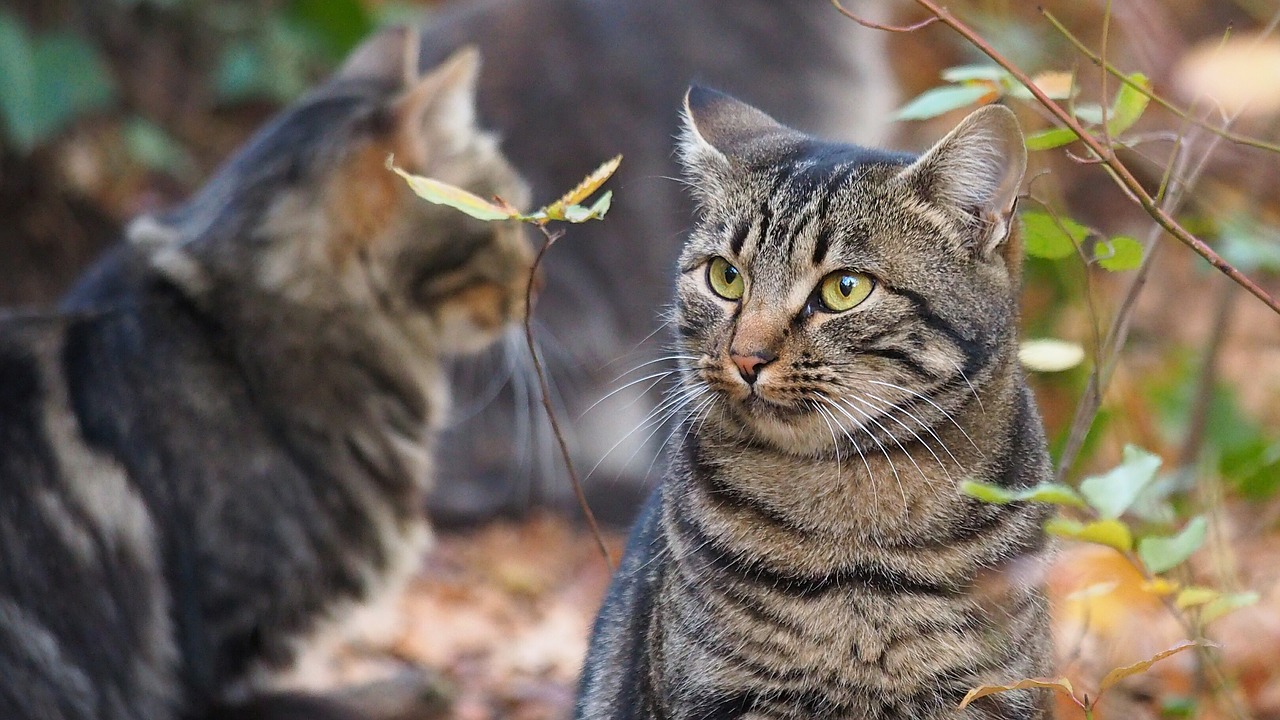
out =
column 848, row 323
column 222, row 446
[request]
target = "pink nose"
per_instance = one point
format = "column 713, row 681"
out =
column 749, row 365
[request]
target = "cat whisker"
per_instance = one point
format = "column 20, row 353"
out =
column 615, row 391
column 654, row 361
column 888, row 458
column 925, row 398
column 972, row 389
column 658, row 425
column 831, row 404
column 698, row 411
column 658, row 416
column 888, row 409
column 895, row 439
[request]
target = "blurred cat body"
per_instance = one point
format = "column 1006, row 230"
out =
column 222, row 444
column 848, row 323
column 571, row 83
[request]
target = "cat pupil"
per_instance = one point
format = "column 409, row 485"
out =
column 846, row 285
column 730, row 274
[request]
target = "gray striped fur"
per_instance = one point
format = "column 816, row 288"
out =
column 809, row 553
column 222, row 444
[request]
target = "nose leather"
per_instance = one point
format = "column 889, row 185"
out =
column 749, row 364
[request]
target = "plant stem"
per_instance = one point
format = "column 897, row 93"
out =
column 549, row 240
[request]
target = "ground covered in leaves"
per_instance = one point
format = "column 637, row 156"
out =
column 503, row 612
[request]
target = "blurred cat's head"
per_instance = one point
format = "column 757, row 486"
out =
column 307, row 214
column 831, row 290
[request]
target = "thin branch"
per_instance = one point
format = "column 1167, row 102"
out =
column 549, row 240
column 878, row 26
column 1152, row 96
column 1118, row 169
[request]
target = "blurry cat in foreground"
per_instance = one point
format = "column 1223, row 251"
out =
column 221, row 447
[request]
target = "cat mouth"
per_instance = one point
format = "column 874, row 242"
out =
column 757, row 405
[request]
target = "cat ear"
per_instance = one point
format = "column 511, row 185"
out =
column 976, row 170
column 437, row 112
column 390, row 54
column 719, row 131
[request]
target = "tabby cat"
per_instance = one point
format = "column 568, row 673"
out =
column 847, row 319
column 222, row 445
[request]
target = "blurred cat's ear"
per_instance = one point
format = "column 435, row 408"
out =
column 721, row 131
column 390, row 54
column 436, row 114
column 976, row 170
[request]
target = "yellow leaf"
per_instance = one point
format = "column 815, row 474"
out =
column 585, row 188
column 1095, row 590
column 1193, row 596
column 442, row 193
column 1059, row 684
column 1161, row 586
column 1141, row 666
column 1111, row 533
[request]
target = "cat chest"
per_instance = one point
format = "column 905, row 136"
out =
column 847, row 649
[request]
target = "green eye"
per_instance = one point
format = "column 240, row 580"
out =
column 844, row 290
column 725, row 279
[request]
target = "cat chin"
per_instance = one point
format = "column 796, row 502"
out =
column 793, row 431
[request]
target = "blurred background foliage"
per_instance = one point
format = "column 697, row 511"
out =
column 110, row 108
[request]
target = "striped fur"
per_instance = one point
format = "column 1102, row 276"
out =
column 222, row 446
column 809, row 553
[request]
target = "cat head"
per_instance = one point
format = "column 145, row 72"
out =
column 307, row 213
column 830, row 289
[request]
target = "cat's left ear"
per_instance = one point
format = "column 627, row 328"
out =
column 436, row 113
column 976, row 170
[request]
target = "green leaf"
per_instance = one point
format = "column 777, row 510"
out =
column 937, row 101
column 579, row 214
column 70, row 78
column 1120, row 253
column 338, row 24
column 1227, row 604
column 442, row 193
column 1111, row 533
column 1049, row 493
column 1051, row 138
column 1164, row 553
column 1111, row 494
column 150, row 145
column 1129, row 105
column 239, row 72
column 1049, row 354
column 1047, row 237
column 961, row 73
column 18, row 96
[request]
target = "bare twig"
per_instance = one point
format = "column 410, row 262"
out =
column 549, row 239
column 879, row 26
column 1151, row 95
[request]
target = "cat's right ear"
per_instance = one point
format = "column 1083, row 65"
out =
column 719, row 133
